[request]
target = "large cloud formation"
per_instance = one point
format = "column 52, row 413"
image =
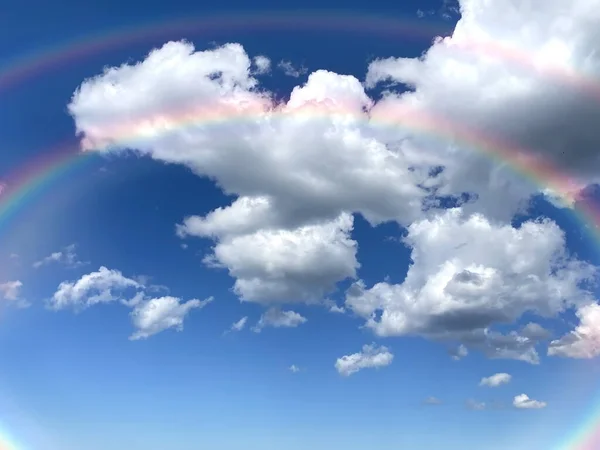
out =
column 300, row 168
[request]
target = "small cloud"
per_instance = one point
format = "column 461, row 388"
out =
column 474, row 405
column 66, row 256
column 524, row 402
column 370, row 357
column 294, row 368
column 13, row 256
column 262, row 64
column 10, row 291
column 458, row 353
column 432, row 401
column 184, row 246
column 240, row 324
column 277, row 318
column 288, row 69
column 495, row 380
column 158, row 314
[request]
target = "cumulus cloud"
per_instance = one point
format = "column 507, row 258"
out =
column 10, row 291
column 523, row 401
column 371, row 356
column 584, row 340
column 103, row 286
column 294, row 368
column 455, row 291
column 158, row 314
column 288, row 69
column 514, row 73
column 66, row 256
column 149, row 315
column 276, row 318
column 315, row 162
column 496, row 380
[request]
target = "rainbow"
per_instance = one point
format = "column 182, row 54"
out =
column 31, row 181
column 72, row 51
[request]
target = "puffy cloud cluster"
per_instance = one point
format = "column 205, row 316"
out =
column 511, row 78
column 370, row 356
column 469, row 273
column 150, row 315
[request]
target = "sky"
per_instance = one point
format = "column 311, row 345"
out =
column 324, row 225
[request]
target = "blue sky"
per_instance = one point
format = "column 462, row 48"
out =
column 374, row 309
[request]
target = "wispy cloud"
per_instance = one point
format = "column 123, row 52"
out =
column 67, row 256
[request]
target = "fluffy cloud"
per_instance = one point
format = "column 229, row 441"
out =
column 102, row 286
column 10, row 291
column 512, row 72
column 294, row 368
column 523, row 401
column 276, row 318
column 496, row 380
column 584, row 340
column 314, row 160
column 455, row 291
column 158, row 314
column 370, row 357
column 278, row 265
column 66, row 256
column 149, row 315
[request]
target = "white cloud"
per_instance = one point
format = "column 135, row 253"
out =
column 522, row 401
column 281, row 265
column 584, row 340
column 512, row 72
column 370, row 357
column 276, row 318
column 294, row 368
column 496, row 380
column 288, row 69
column 240, row 324
column 314, row 161
column 102, row 286
column 262, row 64
column 10, row 291
column 158, row 314
column 455, row 291
column 150, row 315
column 66, row 256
